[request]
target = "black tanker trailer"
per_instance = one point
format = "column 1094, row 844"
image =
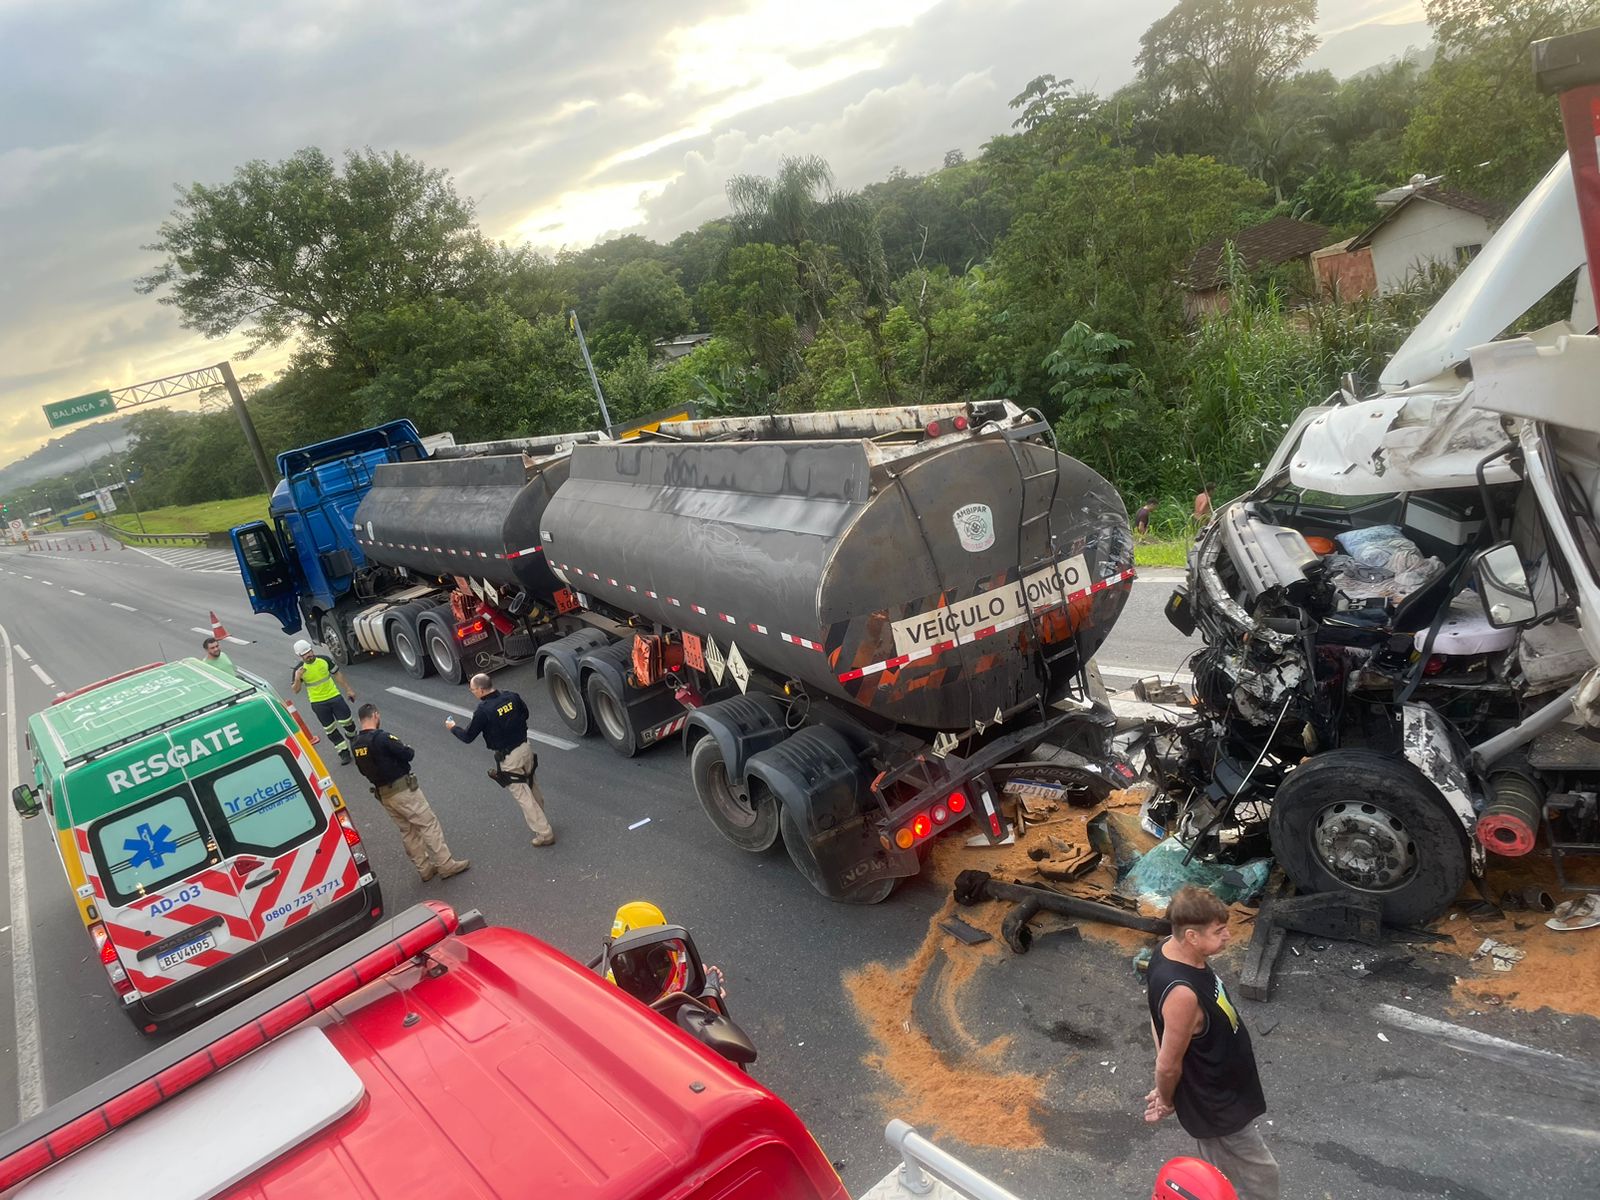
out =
column 860, row 625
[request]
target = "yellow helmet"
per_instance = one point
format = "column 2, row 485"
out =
column 636, row 914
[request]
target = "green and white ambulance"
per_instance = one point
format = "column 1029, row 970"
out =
column 206, row 847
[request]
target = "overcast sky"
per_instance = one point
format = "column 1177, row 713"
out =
column 564, row 120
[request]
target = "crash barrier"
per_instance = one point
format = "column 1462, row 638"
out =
column 130, row 537
column 923, row 1165
column 67, row 544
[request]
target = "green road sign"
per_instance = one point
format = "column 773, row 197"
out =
column 79, row 408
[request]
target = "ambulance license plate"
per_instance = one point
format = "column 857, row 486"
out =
column 187, row 951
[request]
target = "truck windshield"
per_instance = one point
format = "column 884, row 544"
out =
column 260, row 805
column 149, row 845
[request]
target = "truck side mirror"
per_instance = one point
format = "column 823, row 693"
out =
column 25, row 800
column 1503, row 586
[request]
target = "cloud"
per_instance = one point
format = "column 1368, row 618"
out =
column 564, row 120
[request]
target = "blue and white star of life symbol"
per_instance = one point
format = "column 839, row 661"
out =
column 150, row 847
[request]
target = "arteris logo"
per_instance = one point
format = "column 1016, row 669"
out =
column 974, row 526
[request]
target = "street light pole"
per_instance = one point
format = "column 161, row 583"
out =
column 225, row 369
column 605, row 416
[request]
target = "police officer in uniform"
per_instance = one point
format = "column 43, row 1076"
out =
column 323, row 682
column 502, row 718
column 385, row 761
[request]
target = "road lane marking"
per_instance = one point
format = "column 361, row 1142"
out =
column 1125, row 672
column 123, row 607
column 24, row 989
column 533, row 736
column 47, row 583
column 43, row 678
column 75, row 591
column 1528, row 1058
column 21, row 653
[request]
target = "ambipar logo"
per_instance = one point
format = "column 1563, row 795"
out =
column 974, row 526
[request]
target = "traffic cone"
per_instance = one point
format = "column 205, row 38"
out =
column 217, row 631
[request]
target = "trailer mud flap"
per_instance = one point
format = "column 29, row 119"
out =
column 818, row 779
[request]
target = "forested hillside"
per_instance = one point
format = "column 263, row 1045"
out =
column 1045, row 269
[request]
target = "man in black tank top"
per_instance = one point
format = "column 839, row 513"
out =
column 1205, row 1069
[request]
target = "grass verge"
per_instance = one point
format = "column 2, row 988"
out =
column 215, row 516
column 1161, row 554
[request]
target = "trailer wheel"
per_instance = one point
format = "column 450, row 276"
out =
column 749, row 824
column 403, row 641
column 794, row 841
column 440, row 643
column 1370, row 823
column 567, row 697
column 610, row 715
column 332, row 635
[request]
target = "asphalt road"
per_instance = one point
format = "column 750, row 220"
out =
column 1415, row 1112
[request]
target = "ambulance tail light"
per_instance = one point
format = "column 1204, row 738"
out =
column 190, row 1058
column 352, row 837
column 120, row 982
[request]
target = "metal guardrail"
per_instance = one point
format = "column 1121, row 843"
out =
column 919, row 1158
column 134, row 538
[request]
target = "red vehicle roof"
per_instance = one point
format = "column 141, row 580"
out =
column 513, row 1072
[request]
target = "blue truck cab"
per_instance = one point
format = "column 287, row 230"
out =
column 302, row 561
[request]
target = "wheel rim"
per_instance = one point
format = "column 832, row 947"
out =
column 610, row 714
column 335, row 640
column 440, row 653
column 561, row 691
column 1364, row 847
column 404, row 648
column 736, row 812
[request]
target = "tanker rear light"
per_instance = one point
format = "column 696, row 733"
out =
column 957, row 802
column 960, row 423
column 467, row 630
column 933, row 429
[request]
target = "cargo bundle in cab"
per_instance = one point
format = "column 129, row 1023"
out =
column 861, row 626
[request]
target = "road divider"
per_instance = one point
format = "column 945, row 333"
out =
column 24, row 986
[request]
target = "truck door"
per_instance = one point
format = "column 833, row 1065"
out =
column 170, row 906
column 268, row 574
column 275, row 823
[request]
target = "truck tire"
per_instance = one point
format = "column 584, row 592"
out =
column 567, row 698
column 794, row 839
column 1372, row 824
column 439, row 641
column 331, row 634
column 750, row 825
column 610, row 711
column 407, row 647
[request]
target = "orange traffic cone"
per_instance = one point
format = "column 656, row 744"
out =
column 217, row 631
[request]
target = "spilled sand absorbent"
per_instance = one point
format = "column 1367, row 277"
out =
column 964, row 1091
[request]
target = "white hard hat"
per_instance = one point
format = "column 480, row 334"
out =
column 302, row 646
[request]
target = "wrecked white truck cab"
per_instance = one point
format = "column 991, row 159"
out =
column 1401, row 623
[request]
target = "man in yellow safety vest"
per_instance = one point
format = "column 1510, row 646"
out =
column 323, row 681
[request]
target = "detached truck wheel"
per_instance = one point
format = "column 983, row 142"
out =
column 749, row 824
column 1361, row 821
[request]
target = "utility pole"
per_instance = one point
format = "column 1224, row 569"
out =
column 225, row 369
column 605, row 416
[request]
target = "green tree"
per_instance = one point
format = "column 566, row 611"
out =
column 646, row 299
column 1480, row 119
column 756, row 310
column 301, row 248
column 1223, row 60
column 1100, row 394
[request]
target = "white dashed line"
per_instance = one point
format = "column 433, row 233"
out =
column 23, row 654
column 75, row 591
column 558, row 743
column 43, row 678
column 123, row 607
column 47, row 583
